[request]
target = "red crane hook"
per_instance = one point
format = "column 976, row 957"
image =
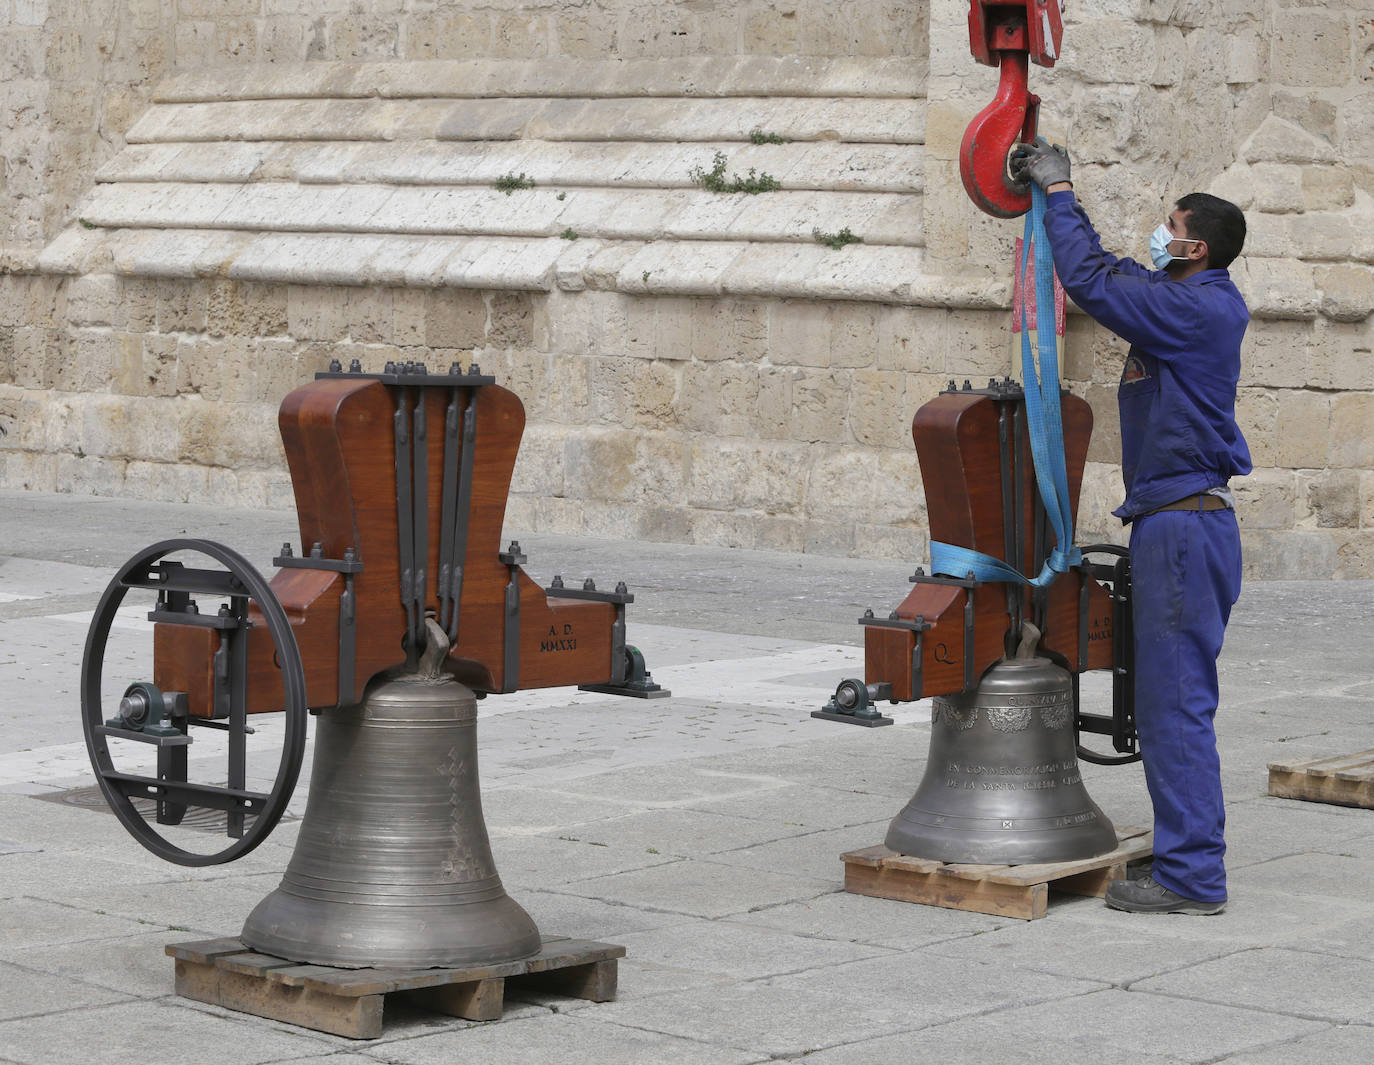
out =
column 1009, row 34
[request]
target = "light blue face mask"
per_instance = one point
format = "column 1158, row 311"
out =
column 1160, row 240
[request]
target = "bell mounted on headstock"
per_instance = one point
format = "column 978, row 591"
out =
column 400, row 612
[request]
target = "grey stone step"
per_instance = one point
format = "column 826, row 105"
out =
column 619, row 214
column 888, row 274
column 798, row 165
column 850, row 120
column 686, row 76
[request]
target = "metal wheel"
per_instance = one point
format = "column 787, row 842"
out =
column 150, row 716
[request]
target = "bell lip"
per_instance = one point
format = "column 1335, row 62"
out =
column 1032, row 850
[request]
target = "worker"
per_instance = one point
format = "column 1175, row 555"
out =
column 1180, row 446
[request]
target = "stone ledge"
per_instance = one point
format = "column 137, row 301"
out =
column 800, row 166
column 478, row 78
column 662, row 268
column 888, row 121
column 612, row 214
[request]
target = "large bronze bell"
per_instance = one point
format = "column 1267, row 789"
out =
column 1002, row 784
column 393, row 866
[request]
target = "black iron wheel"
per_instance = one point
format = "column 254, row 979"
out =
column 241, row 584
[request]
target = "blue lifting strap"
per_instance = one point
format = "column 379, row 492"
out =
column 1043, row 419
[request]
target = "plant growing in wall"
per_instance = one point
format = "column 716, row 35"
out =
column 714, row 180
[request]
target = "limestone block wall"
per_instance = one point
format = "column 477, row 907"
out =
column 693, row 371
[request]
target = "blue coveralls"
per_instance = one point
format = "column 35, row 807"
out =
column 1178, row 438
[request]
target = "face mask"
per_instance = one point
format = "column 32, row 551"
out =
column 1160, row 240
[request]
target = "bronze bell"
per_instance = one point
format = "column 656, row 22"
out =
column 1002, row 784
column 393, row 867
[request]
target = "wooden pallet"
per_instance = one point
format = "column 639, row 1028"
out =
column 1346, row 780
column 348, row 1002
column 1020, row 891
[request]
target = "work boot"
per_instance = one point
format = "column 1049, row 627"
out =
column 1148, row 896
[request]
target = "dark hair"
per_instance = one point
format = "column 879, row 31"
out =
column 1218, row 222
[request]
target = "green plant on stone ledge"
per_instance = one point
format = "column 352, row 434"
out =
column 569, row 234
column 508, row 183
column 714, row 180
column 836, row 240
column 758, row 136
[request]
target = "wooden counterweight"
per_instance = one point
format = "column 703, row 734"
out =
column 401, row 482
column 981, row 493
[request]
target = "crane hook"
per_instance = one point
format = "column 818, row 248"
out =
column 1008, row 34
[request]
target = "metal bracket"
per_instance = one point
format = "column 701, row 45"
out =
column 317, row 560
column 512, row 557
column 638, row 682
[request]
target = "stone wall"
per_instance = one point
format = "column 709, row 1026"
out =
column 756, row 421
column 75, row 74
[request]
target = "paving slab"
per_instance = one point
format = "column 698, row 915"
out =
column 1116, row 953
column 1309, row 984
column 1116, row 1022
column 26, row 992
column 882, row 922
column 128, row 967
column 702, row 888
column 980, row 1040
column 762, row 1018
column 1345, row 1045
column 580, row 1039
column 740, row 951
column 681, row 833
column 152, row 1033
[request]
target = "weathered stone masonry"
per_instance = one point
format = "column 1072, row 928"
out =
column 695, row 366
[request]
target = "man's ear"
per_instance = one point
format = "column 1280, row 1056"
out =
column 1197, row 252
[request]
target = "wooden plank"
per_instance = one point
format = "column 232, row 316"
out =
column 1328, row 789
column 1308, row 764
column 978, row 896
column 964, row 871
column 572, row 952
column 204, row 951
column 914, row 865
column 595, row 982
column 476, row 1000
column 1126, row 850
column 354, row 1018
column 249, row 963
column 869, row 856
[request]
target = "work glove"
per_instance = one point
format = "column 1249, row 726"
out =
column 1041, row 162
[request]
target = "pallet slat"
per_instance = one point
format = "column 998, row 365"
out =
column 1342, row 780
column 1001, row 890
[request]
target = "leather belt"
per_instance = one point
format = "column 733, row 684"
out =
column 1201, row 501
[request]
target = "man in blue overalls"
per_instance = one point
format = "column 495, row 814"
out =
column 1179, row 447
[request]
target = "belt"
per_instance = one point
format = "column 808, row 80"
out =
column 1201, row 501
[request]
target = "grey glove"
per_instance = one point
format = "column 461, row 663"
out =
column 1041, row 162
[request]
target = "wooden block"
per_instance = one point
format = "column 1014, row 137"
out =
column 595, row 982
column 478, row 1000
column 358, row 1017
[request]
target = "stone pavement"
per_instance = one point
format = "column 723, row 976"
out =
column 703, row 833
